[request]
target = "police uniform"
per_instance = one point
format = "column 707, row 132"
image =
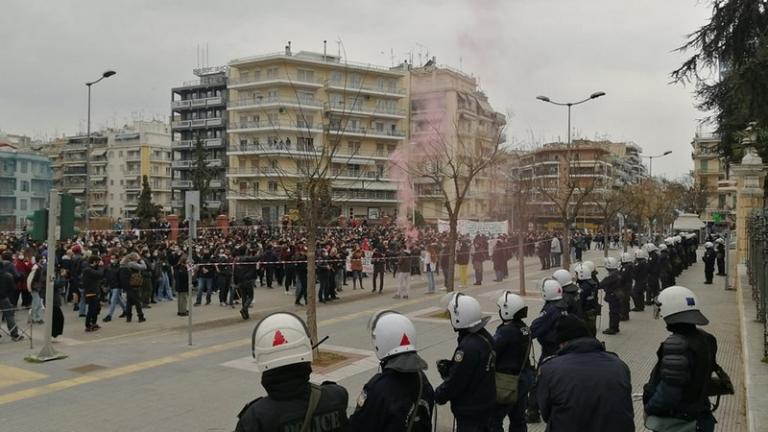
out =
column 611, row 284
column 388, row 402
column 571, row 297
column 720, row 259
column 678, row 384
column 469, row 381
column 270, row 414
column 709, row 264
column 512, row 344
column 641, row 284
column 666, row 273
column 654, row 272
column 627, row 275
column 590, row 307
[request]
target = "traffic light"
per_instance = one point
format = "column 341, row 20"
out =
column 67, row 216
column 39, row 219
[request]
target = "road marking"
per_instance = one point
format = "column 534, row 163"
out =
column 10, row 375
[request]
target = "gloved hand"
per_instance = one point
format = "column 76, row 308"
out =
column 444, row 368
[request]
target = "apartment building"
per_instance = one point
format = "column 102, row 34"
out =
column 119, row 158
column 25, row 181
column 291, row 112
column 549, row 170
column 448, row 106
column 709, row 172
column 198, row 113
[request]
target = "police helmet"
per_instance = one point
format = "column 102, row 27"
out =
column 677, row 305
column 392, row 333
column 280, row 339
column 509, row 305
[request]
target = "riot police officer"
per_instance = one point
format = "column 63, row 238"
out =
column 627, row 273
column 469, row 377
column 400, row 398
column 666, row 276
column 570, row 291
column 641, row 280
column 680, row 382
column 544, row 330
column 720, row 256
column 283, row 351
column 590, row 306
column 512, row 346
column 611, row 284
column 709, row 262
column 654, row 272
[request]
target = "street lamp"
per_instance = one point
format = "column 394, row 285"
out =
column 594, row 95
column 650, row 161
column 106, row 74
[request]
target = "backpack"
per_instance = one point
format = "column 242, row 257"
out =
column 135, row 280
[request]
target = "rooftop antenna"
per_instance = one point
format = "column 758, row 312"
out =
column 461, row 64
column 207, row 53
column 392, row 56
column 338, row 45
column 198, row 56
column 325, row 49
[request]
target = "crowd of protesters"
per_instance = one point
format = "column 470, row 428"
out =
column 124, row 271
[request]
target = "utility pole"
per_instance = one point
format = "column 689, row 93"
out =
column 192, row 202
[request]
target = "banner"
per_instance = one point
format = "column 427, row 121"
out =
column 472, row 228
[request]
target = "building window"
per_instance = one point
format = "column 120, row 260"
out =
column 111, row 182
column 353, row 147
column 335, row 77
column 23, row 167
column 306, row 75
column 271, row 73
column 120, row 153
column 721, row 201
column 24, row 186
column 272, row 186
column 22, row 204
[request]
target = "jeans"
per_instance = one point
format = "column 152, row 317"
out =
column 204, row 284
column 338, row 275
column 164, row 287
column 357, row 275
column 9, row 315
column 301, row 291
column 36, row 313
column 478, row 268
column 430, row 281
column 115, row 298
column 93, row 311
column 403, row 284
column 380, row 275
column 82, row 304
column 555, row 260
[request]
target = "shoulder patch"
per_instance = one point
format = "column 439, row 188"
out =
column 361, row 399
column 458, row 356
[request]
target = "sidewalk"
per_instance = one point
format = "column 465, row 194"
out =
column 755, row 370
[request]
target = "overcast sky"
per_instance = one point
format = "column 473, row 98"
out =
column 565, row 49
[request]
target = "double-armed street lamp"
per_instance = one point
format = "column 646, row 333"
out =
column 650, row 161
column 106, row 74
column 594, row 95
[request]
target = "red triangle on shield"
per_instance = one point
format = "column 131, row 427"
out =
column 279, row 339
column 405, row 341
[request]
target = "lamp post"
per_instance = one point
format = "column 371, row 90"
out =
column 106, row 74
column 650, row 161
column 594, row 95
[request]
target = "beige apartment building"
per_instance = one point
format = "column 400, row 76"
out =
column 709, row 172
column 119, row 158
column 448, row 108
column 284, row 109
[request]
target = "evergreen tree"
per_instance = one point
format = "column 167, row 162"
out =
column 146, row 209
column 202, row 175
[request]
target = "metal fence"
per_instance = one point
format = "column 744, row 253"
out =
column 757, row 268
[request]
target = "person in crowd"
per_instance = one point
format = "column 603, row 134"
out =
column 182, row 282
column 93, row 277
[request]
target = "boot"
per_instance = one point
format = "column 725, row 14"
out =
column 610, row 331
column 142, row 319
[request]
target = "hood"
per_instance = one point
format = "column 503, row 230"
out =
column 406, row 362
column 581, row 345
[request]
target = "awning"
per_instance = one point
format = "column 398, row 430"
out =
column 76, row 191
column 99, row 152
column 97, row 178
column 688, row 222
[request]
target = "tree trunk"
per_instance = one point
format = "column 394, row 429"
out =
column 567, row 244
column 606, row 226
column 311, row 279
column 450, row 271
column 521, row 257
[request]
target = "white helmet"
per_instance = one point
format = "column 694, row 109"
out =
column 465, row 311
column 611, row 263
column 509, row 304
column 678, row 239
column 709, row 245
column 280, row 339
column 678, row 304
column 563, row 277
column 392, row 333
column 641, row 254
column 720, row 240
column 590, row 265
column 669, row 241
column 582, row 271
column 551, row 289
column 662, row 247
column 650, row 247
column 627, row 257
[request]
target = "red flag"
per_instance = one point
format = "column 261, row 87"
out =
column 405, row 341
column 279, row 339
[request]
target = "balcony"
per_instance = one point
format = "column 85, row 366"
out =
column 197, row 103
column 292, row 80
column 197, row 123
column 132, row 186
column 191, row 144
column 133, row 157
column 363, row 196
column 177, row 203
column 363, row 132
column 212, row 204
column 359, row 109
column 262, row 103
column 210, row 163
column 267, row 126
column 286, row 149
column 257, row 172
column 276, row 195
column 181, row 184
column 216, row 183
column 358, row 88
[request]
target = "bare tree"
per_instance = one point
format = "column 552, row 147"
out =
column 610, row 201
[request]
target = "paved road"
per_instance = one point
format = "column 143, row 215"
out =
column 146, row 378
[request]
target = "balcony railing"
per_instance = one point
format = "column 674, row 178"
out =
column 198, row 103
column 181, row 184
column 359, row 88
column 190, row 144
column 259, row 102
column 210, row 163
column 195, row 123
column 349, row 130
column 272, row 126
column 243, row 82
column 359, row 108
column 364, row 195
column 273, row 148
column 254, row 171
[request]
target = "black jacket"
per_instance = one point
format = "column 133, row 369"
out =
column 7, row 285
column 388, row 398
column 471, row 383
column 511, row 343
column 92, row 278
column 584, row 388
